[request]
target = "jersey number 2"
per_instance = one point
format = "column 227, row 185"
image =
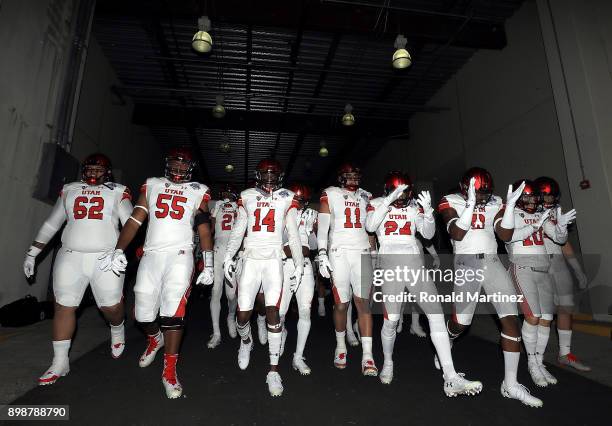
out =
column 391, row 228
column 226, row 222
column 94, row 211
column 172, row 205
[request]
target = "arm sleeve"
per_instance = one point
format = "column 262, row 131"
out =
column 323, row 220
column 293, row 237
column 555, row 232
column 54, row 222
column 521, row 234
column 238, row 230
column 125, row 210
column 425, row 225
column 376, row 214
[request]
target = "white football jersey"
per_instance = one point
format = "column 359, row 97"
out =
column 347, row 217
column 224, row 212
column 93, row 213
column 480, row 238
column 302, row 229
column 551, row 246
column 172, row 209
column 265, row 215
column 531, row 251
column 399, row 227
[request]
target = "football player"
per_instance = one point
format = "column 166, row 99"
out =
column 92, row 210
column 562, row 255
column 529, row 264
column 263, row 214
column 306, row 218
column 396, row 218
column 473, row 217
column 222, row 217
column 174, row 205
column 341, row 229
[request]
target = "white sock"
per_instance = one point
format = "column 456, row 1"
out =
column 117, row 333
column 274, row 344
column 530, row 339
column 442, row 344
column 60, row 352
column 565, row 342
column 340, row 340
column 244, row 331
column 215, row 311
column 303, row 328
column 511, row 362
column 387, row 337
column 366, row 345
column 543, row 335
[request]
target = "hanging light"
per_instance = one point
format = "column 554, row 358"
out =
column 323, row 152
column 401, row 57
column 202, row 41
column 229, row 168
column 218, row 110
column 348, row 119
column 225, row 147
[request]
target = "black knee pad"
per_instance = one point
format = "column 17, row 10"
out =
column 172, row 323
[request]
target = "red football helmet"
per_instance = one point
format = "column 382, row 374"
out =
column 96, row 169
column 302, row 193
column 530, row 199
column 228, row 191
column 179, row 165
column 483, row 184
column 549, row 191
column 395, row 179
column 349, row 176
column 269, row 175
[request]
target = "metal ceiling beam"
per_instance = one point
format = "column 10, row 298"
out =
column 177, row 116
column 350, row 19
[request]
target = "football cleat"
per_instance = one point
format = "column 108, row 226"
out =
column 275, row 383
column 368, row 368
column 351, row 338
column 386, row 374
column 117, row 349
column 537, row 376
column 231, row 326
column 244, row 354
column 283, row 340
column 170, row 381
column 417, row 330
column 520, row 392
column 53, row 374
column 262, row 331
column 299, row 365
column 340, row 358
column 154, row 345
column 459, row 385
column 570, row 360
column 215, row 340
column 550, row 379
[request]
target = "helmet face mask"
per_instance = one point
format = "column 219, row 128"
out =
column 269, row 175
column 531, row 199
column 349, row 177
column 96, row 170
column 392, row 181
column 549, row 190
column 483, row 185
column 302, row 194
column 228, row 193
column 179, row 165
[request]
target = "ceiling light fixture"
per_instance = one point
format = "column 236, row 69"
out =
column 401, row 57
column 323, row 152
column 348, row 119
column 218, row 110
column 229, row 168
column 202, row 41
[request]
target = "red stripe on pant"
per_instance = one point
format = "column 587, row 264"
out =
column 524, row 304
column 180, row 311
column 278, row 303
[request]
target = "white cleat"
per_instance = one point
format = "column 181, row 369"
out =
column 417, row 330
column 231, row 326
column 536, row 375
column 321, row 310
column 299, row 365
column 550, row 379
column 244, row 354
column 215, row 340
column 283, row 339
column 386, row 374
column 262, row 330
column 53, row 374
column 570, row 360
column 351, row 338
column 172, row 385
column 154, row 345
column 340, row 359
column 459, row 385
column 275, row 383
column 521, row 393
column 117, row 349
column 368, row 368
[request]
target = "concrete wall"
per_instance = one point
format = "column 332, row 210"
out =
column 35, row 39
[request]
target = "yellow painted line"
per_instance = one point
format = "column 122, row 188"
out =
column 594, row 329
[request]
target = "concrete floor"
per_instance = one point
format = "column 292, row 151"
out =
column 101, row 390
